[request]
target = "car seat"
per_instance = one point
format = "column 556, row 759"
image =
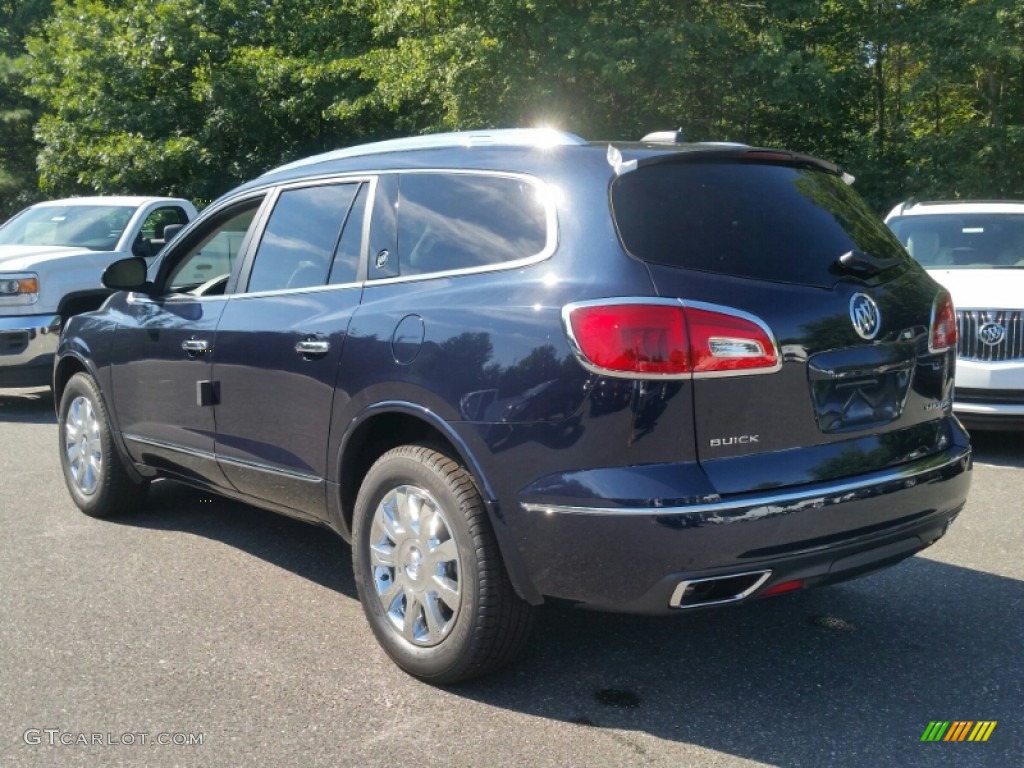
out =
column 925, row 246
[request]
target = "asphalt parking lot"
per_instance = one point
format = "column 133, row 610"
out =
column 235, row 636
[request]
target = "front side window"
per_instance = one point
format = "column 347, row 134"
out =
column 156, row 221
column 452, row 221
column 210, row 260
column 301, row 236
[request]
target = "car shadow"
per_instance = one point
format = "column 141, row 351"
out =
column 27, row 406
column 309, row 551
column 849, row 675
column 1003, row 449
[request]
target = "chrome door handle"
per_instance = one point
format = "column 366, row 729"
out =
column 193, row 346
column 313, row 347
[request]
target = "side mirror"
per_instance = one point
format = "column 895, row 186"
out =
column 126, row 275
column 171, row 230
column 142, row 248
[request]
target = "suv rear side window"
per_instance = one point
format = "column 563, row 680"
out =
column 449, row 221
column 756, row 220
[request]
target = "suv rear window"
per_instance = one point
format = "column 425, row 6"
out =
column 756, row 220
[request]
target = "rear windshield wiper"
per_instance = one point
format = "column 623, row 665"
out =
column 860, row 263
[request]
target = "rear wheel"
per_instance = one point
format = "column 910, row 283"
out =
column 428, row 570
column 98, row 481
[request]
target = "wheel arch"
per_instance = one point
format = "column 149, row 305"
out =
column 387, row 425
column 77, row 302
column 66, row 367
column 68, row 364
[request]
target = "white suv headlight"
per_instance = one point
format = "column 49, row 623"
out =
column 18, row 288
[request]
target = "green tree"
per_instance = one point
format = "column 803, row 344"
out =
column 18, row 113
column 191, row 97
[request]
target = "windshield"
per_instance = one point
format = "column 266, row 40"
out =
column 97, row 227
column 963, row 241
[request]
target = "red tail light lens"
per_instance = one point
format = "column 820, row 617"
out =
column 943, row 334
column 632, row 338
column 668, row 340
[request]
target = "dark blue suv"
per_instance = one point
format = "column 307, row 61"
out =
column 515, row 366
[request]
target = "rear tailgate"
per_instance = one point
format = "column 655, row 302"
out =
column 782, row 242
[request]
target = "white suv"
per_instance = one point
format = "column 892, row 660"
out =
column 976, row 250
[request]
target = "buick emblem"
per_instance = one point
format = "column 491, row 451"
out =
column 865, row 316
column 991, row 333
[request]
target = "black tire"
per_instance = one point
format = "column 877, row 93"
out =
column 111, row 490
column 489, row 626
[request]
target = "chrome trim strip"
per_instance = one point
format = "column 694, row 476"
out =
column 246, row 464
column 650, row 300
column 905, row 475
column 227, row 460
column 169, row 446
column 680, row 590
column 286, row 291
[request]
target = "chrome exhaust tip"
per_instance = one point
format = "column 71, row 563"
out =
column 717, row 590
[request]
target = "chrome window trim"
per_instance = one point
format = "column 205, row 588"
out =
column 136, row 297
column 651, row 300
column 289, row 291
column 550, row 211
column 905, row 475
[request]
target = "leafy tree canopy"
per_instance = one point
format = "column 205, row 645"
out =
column 915, row 97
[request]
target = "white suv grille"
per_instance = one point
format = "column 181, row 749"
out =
column 990, row 334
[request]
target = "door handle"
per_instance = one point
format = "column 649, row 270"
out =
column 313, row 347
column 195, row 346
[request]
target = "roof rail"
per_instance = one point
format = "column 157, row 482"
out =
column 500, row 137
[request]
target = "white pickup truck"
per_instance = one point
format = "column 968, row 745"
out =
column 52, row 256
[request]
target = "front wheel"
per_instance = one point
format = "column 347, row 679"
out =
column 429, row 572
column 97, row 480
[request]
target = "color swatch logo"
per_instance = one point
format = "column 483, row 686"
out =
column 958, row 730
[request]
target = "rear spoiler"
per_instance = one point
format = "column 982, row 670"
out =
column 718, row 152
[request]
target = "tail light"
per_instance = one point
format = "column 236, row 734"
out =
column 942, row 335
column 654, row 339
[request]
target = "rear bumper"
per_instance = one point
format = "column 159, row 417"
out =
column 27, row 347
column 634, row 559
